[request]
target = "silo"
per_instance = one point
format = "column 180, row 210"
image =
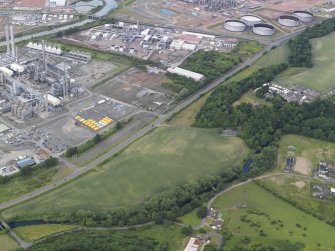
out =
column 235, row 25
column 304, row 16
column 251, row 20
column 263, row 29
column 288, row 20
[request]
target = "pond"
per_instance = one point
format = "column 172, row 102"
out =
column 87, row 6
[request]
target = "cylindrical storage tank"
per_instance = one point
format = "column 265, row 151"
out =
column 251, row 20
column 234, row 25
column 263, row 29
column 288, row 20
column 304, row 16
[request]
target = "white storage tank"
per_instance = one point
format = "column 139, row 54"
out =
column 251, row 20
column 17, row 68
column 263, row 29
column 234, row 25
column 288, row 20
column 304, row 16
column 7, row 72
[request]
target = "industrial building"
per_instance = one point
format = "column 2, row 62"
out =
column 186, row 73
column 34, row 85
column 214, row 5
column 26, row 162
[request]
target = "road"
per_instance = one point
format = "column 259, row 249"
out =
column 148, row 128
column 45, row 33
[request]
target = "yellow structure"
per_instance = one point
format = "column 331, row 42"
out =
column 94, row 125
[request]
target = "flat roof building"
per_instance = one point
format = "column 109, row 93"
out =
column 186, row 73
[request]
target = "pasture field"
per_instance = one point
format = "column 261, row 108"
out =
column 308, row 152
column 276, row 56
column 298, row 191
column 321, row 76
column 19, row 186
column 168, row 156
column 268, row 220
column 7, row 243
column 32, row 233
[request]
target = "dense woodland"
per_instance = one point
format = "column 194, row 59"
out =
column 300, row 46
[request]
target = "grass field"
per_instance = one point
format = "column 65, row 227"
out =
column 7, row 243
column 191, row 218
column 166, row 157
column 32, row 233
column 308, row 152
column 250, row 98
column 275, row 56
column 321, row 76
column 187, row 116
column 22, row 185
column 269, row 220
column 299, row 191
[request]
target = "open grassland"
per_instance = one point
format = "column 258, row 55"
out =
column 168, row 156
column 7, row 243
column 243, row 74
column 191, row 218
column 308, row 152
column 321, row 76
column 268, row 220
column 298, row 191
column 32, row 233
column 187, row 116
column 250, row 98
column 19, row 186
column 275, row 56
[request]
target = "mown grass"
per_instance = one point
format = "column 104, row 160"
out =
column 268, row 220
column 168, row 156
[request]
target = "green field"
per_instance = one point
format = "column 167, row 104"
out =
column 22, row 185
column 275, row 56
column 299, row 191
column 321, row 76
column 168, row 156
column 268, row 220
column 250, row 98
column 191, row 218
column 308, row 152
column 32, row 233
column 7, row 243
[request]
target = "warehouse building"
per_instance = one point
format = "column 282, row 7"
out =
column 25, row 163
column 186, row 73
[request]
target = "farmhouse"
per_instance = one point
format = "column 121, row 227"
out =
column 194, row 244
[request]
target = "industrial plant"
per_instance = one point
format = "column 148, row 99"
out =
column 32, row 85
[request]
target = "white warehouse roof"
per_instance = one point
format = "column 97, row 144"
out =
column 199, row 35
column 186, row 73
